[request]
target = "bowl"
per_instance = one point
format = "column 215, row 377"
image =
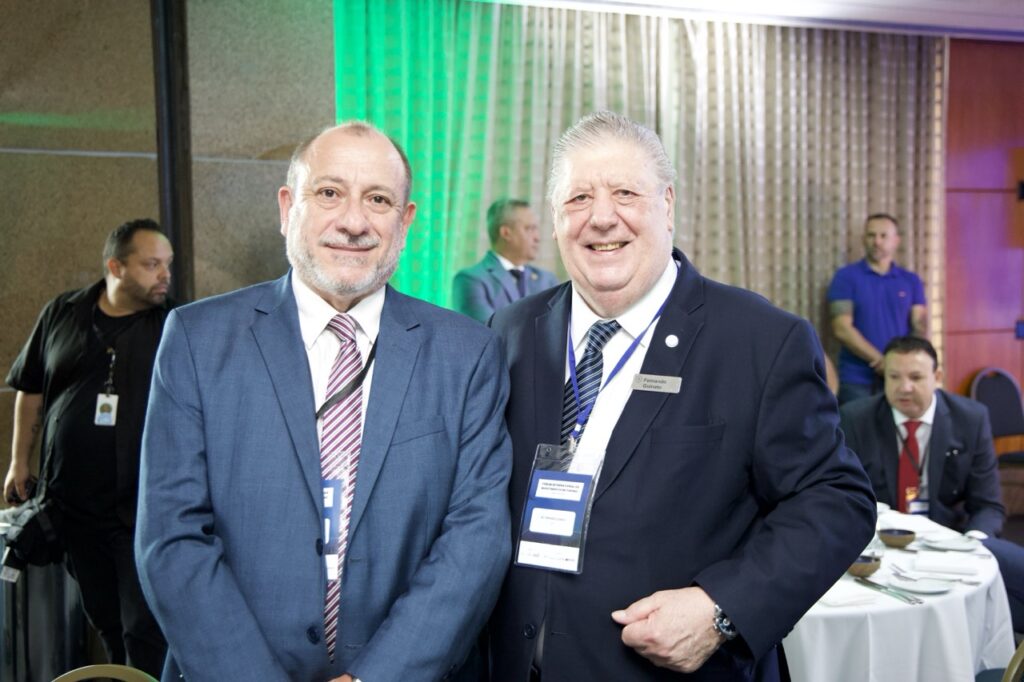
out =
column 896, row 537
column 864, row 565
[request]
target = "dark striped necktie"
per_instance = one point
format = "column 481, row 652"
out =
column 589, row 372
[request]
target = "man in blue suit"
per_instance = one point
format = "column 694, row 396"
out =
column 505, row 274
column 258, row 563
column 725, row 502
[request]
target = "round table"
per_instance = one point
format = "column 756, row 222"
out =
column 854, row 633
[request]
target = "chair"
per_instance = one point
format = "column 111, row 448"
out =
column 1000, row 393
column 106, row 671
column 1012, row 673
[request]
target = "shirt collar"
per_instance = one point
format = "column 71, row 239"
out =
column 315, row 312
column 635, row 319
column 506, row 263
column 927, row 418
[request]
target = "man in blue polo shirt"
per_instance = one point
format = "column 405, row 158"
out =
column 872, row 302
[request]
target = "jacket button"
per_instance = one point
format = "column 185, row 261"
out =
column 319, row 547
column 529, row 631
column 313, row 635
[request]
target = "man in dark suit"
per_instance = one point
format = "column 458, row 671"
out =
column 505, row 274
column 725, row 503
column 930, row 452
column 325, row 460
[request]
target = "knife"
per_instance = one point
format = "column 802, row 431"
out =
column 891, row 591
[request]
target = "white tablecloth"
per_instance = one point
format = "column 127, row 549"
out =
column 870, row 636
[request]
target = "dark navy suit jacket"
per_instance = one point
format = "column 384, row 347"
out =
column 740, row 483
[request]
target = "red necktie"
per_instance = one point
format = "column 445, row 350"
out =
column 908, row 480
column 340, row 442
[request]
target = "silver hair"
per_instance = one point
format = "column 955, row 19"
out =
column 359, row 128
column 596, row 128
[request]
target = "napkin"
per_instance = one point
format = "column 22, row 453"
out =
column 946, row 562
column 845, row 593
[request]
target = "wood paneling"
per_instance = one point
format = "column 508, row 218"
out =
column 985, row 114
column 984, row 246
column 967, row 352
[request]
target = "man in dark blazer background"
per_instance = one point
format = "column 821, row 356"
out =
column 235, row 501
column 725, row 501
column 504, row 275
column 958, row 478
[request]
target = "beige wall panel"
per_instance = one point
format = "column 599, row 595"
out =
column 76, row 75
column 57, row 212
column 262, row 75
column 237, row 236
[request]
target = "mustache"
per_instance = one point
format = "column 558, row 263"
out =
column 364, row 241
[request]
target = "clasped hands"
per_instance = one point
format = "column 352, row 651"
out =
column 673, row 628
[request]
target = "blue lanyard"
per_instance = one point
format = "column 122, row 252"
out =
column 583, row 411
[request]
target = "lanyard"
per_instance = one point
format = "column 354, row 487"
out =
column 903, row 448
column 354, row 383
column 583, row 411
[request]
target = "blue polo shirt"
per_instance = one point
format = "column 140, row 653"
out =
column 881, row 310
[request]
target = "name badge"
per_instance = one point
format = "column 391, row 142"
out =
column 656, row 383
column 918, row 506
column 556, row 514
column 106, row 409
column 332, row 515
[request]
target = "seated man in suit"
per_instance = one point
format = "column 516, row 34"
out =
column 505, row 274
column 325, row 460
column 724, row 502
column 930, row 452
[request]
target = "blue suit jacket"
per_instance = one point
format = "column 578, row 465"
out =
column 229, row 535
column 963, row 478
column 482, row 289
column 740, row 483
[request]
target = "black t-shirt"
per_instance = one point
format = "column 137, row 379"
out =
column 84, row 468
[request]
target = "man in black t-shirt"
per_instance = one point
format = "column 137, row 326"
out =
column 82, row 379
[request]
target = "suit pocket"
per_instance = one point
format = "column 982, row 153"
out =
column 417, row 428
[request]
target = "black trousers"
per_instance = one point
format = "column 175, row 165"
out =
column 101, row 559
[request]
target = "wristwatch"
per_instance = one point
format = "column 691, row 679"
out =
column 723, row 625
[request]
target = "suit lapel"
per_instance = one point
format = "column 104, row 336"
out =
column 277, row 335
column 550, row 333
column 683, row 317
column 938, row 445
column 889, row 452
column 398, row 345
column 501, row 276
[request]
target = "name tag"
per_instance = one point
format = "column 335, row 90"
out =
column 106, row 410
column 556, row 514
column 332, row 519
column 657, row 383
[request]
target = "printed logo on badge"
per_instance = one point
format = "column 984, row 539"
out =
column 106, row 409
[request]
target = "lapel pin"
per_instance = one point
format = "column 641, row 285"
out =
column 671, row 340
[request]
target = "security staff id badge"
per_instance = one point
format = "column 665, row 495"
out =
column 106, row 409
column 333, row 504
column 556, row 515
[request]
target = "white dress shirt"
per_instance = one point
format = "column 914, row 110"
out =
column 322, row 344
column 923, row 436
column 613, row 396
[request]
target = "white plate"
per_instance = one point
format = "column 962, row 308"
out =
column 921, row 586
column 954, row 544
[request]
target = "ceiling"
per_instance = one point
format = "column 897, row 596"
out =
column 990, row 19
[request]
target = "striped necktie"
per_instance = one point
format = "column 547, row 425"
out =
column 589, row 371
column 340, row 440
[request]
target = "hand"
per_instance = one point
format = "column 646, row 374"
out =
column 878, row 364
column 16, row 484
column 344, row 678
column 672, row 628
